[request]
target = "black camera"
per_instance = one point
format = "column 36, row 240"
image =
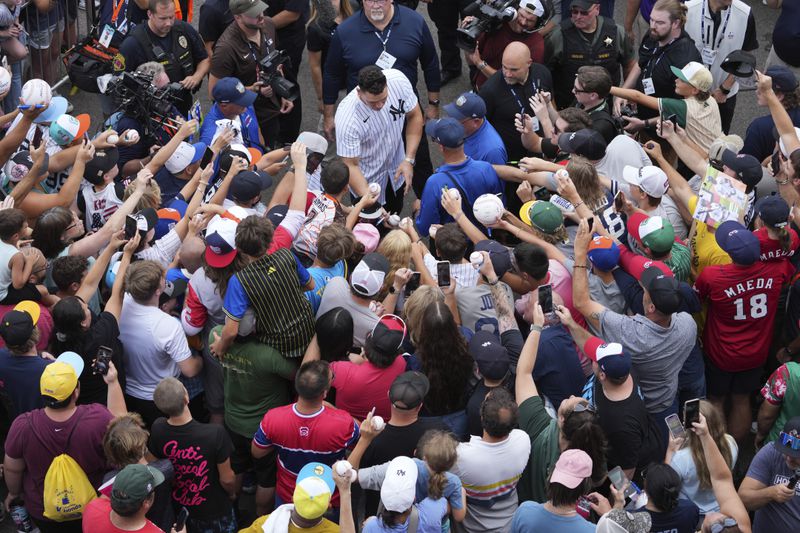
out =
column 135, row 96
column 271, row 76
column 487, row 17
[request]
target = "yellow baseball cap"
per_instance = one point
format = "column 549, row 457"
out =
column 60, row 378
column 30, row 307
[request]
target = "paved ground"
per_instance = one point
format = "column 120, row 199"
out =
column 746, row 110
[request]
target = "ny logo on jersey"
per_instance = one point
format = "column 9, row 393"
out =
column 399, row 111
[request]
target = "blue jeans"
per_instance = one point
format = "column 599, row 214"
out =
column 457, row 422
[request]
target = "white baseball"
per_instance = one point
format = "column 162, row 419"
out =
column 113, row 139
column 562, row 173
column 394, row 221
column 476, row 258
column 454, row 194
column 131, row 136
column 343, row 466
column 375, row 188
column 378, row 423
column 405, row 223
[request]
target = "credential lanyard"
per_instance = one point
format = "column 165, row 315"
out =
column 516, row 97
column 382, row 39
column 721, row 33
column 650, row 67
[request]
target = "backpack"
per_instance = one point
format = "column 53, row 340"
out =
column 67, row 489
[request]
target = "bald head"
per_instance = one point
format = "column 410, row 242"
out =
column 192, row 251
column 516, row 63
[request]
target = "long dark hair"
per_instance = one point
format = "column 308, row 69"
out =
column 445, row 360
column 48, row 234
column 334, row 334
column 221, row 276
column 663, row 486
column 583, row 432
column 68, row 333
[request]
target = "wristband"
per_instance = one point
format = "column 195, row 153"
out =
column 723, row 90
column 580, row 266
column 434, row 103
column 410, row 160
column 482, row 65
column 536, row 327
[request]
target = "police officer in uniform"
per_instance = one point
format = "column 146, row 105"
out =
column 173, row 43
column 586, row 39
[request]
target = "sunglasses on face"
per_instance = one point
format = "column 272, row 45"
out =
column 790, row 441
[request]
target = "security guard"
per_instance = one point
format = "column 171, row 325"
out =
column 173, row 43
column 586, row 39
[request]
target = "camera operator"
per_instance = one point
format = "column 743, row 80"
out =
column 174, row 44
column 487, row 57
column 238, row 54
column 138, row 154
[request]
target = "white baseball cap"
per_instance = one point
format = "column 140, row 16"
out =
column 399, row 489
column 184, row 155
column 533, row 6
column 695, row 74
column 314, row 142
column 652, row 180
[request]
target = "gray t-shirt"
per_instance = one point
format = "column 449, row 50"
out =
column 337, row 294
column 769, row 467
column 476, row 307
column 607, row 294
column 657, row 353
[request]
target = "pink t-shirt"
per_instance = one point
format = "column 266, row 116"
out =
column 359, row 388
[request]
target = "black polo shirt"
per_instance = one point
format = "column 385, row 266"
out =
column 655, row 62
column 291, row 37
column 504, row 101
column 235, row 55
column 215, row 17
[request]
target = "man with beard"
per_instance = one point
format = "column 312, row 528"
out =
column 666, row 45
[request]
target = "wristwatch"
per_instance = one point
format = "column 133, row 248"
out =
column 434, row 102
column 482, row 65
column 410, row 160
column 392, row 290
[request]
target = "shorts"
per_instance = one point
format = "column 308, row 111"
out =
column 721, row 382
column 41, row 39
column 266, row 468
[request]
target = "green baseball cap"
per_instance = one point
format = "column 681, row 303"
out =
column 132, row 485
column 657, row 234
column 545, row 216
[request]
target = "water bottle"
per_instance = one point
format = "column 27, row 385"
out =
column 21, row 517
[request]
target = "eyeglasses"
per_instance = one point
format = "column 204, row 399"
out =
column 582, row 407
column 576, row 90
column 790, row 441
column 718, row 527
column 581, row 12
column 375, row 2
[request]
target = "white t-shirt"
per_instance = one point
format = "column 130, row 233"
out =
column 154, row 344
column 376, row 137
column 489, row 473
column 622, row 151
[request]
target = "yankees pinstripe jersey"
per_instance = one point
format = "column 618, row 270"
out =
column 376, row 137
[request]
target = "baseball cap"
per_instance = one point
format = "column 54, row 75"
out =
column 60, row 378
column 315, row 143
column 248, row 184
column 133, row 485
column 788, row 442
column 467, row 105
column 783, row 79
column 499, row 254
column 221, row 242
column 234, row 150
column 603, row 253
column 399, row 489
column 67, row 128
column 313, row 490
column 739, row 63
column 622, row 521
column 146, row 219
column 663, row 290
column 445, row 131
column 586, row 142
column 583, row 4
column 773, row 211
column 657, row 233
column 169, row 216
column 489, row 354
column 103, row 161
column 387, row 335
column 609, row 356
column 57, row 107
column 724, row 142
column 409, row 390
column 231, row 91
column 695, row 75
column 17, row 325
column 368, row 235
column 250, row 8
column 544, row 216
column 367, row 278
column 748, row 169
column 534, row 6
column 572, row 467
column 652, row 180
column 172, row 289
column 184, row 155
column 738, row 242
column 277, row 213
column 19, row 166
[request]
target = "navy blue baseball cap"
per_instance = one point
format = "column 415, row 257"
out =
column 783, row 79
column 612, row 359
column 231, row 91
column 249, row 184
column 738, row 242
column 446, row 131
column 773, row 211
column 586, row 142
column 490, row 355
column 468, row 105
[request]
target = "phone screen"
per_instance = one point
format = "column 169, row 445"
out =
column 100, row 364
column 546, row 298
column 130, row 227
column 691, row 412
column 590, row 223
column 617, row 477
column 37, row 136
column 313, row 161
column 675, row 427
column 413, row 283
column 619, row 201
column 443, row 273
column 208, row 155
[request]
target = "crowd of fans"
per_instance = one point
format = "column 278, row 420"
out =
column 585, row 319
